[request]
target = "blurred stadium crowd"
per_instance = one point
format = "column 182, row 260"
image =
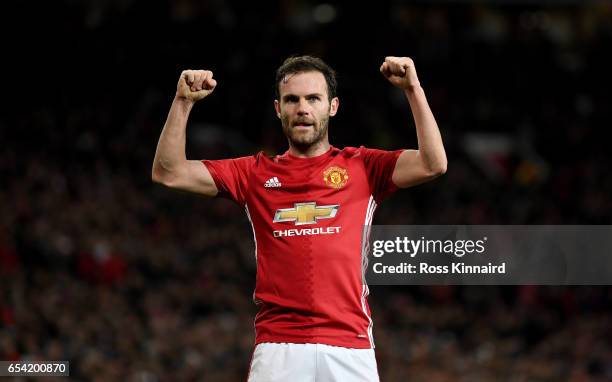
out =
column 129, row 281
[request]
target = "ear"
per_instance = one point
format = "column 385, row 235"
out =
column 333, row 106
column 277, row 108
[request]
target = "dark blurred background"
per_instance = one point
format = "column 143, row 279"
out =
column 130, row 281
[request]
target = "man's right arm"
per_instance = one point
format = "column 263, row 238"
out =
column 170, row 166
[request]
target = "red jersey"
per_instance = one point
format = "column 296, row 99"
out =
column 308, row 217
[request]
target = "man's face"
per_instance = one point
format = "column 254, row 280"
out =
column 304, row 108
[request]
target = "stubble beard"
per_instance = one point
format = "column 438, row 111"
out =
column 305, row 140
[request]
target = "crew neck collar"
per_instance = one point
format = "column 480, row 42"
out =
column 315, row 158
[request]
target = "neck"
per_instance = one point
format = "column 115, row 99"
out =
column 310, row 151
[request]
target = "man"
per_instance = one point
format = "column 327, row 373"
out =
column 308, row 208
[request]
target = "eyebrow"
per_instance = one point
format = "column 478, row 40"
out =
column 287, row 97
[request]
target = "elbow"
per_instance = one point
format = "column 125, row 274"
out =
column 434, row 165
column 159, row 177
column 171, row 177
column 156, row 177
column 442, row 165
column 442, row 168
column 439, row 169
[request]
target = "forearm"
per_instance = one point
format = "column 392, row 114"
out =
column 170, row 153
column 431, row 148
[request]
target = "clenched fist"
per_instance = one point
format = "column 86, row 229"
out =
column 400, row 72
column 193, row 85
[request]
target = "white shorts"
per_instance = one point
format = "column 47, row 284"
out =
column 288, row 362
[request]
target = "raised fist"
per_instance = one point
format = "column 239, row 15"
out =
column 400, row 72
column 193, row 85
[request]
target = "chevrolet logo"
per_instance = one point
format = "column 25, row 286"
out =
column 305, row 213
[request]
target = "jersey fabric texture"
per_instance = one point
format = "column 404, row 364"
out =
column 308, row 217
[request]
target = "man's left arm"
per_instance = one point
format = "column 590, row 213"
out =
column 429, row 161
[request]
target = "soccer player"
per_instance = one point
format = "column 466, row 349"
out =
column 308, row 208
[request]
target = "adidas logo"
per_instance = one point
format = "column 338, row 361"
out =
column 272, row 182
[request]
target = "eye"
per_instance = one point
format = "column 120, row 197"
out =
column 313, row 98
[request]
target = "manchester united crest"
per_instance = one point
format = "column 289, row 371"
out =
column 335, row 177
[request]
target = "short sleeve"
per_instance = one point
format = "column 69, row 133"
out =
column 379, row 165
column 231, row 176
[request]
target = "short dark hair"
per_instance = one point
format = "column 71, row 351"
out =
column 301, row 64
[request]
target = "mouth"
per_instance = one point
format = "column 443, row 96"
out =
column 302, row 125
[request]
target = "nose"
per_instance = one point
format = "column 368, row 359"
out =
column 303, row 107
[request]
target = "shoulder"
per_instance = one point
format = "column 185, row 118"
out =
column 262, row 157
column 360, row 152
column 350, row 152
column 253, row 158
